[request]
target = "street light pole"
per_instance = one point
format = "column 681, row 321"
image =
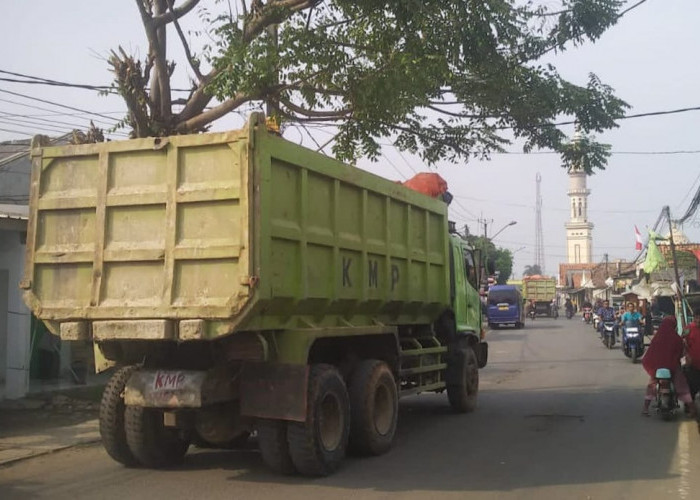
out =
column 511, row 223
column 487, row 239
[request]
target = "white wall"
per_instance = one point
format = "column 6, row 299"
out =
column 17, row 350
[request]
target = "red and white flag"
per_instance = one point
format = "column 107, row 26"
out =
column 638, row 239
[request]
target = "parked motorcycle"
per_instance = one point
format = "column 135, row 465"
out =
column 666, row 398
column 587, row 314
column 609, row 333
column 633, row 342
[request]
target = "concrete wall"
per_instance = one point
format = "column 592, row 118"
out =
column 17, row 325
column 4, row 290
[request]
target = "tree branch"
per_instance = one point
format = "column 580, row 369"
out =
column 161, row 19
column 188, row 54
column 457, row 115
column 201, row 120
column 199, row 99
column 131, row 86
column 338, row 114
column 274, row 12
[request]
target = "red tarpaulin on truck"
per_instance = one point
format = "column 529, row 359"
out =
column 427, row 183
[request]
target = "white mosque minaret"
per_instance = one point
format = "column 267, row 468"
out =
column 579, row 231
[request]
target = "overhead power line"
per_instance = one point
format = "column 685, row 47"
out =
column 17, row 132
column 677, row 152
column 57, row 104
column 38, row 80
column 56, row 112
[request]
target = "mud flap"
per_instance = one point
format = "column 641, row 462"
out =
column 179, row 388
column 274, row 390
column 482, row 353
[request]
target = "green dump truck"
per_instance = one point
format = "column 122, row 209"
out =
column 541, row 290
column 239, row 283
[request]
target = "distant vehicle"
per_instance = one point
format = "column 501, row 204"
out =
column 617, row 301
column 542, row 290
column 505, row 306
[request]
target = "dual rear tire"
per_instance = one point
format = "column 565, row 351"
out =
column 361, row 417
column 134, row 435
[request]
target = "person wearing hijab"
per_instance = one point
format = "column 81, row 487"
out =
column 665, row 351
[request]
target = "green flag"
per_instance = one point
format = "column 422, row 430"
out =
column 654, row 258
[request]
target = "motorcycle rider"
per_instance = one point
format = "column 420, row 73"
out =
column 666, row 351
column 692, row 354
column 531, row 311
column 631, row 318
column 606, row 313
column 554, row 307
column 587, row 307
column 569, row 307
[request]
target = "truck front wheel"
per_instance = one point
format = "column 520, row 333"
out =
column 374, row 406
column 154, row 445
column 463, row 380
column 272, row 441
column 112, row 418
column 317, row 446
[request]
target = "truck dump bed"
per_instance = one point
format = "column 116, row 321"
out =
column 198, row 236
column 540, row 289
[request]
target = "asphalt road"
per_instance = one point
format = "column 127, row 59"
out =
column 558, row 417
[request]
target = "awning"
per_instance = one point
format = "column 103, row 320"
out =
column 14, row 217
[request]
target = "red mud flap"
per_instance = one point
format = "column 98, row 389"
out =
column 274, row 390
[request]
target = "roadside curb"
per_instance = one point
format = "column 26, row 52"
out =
column 21, row 447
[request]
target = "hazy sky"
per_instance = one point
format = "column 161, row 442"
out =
column 651, row 58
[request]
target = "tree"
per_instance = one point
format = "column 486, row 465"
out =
column 444, row 79
column 532, row 270
column 502, row 257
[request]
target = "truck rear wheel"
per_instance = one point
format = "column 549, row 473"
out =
column 374, row 407
column 112, row 418
column 463, row 381
column 274, row 449
column 317, row 446
column 154, row 445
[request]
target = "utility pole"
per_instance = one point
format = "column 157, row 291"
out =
column 539, row 239
column 607, row 275
column 673, row 254
column 485, row 222
column 484, row 251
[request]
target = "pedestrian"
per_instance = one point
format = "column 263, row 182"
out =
column 665, row 351
column 648, row 320
column 692, row 354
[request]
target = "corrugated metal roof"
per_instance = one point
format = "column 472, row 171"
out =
column 19, row 212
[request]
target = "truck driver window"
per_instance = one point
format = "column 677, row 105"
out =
column 470, row 268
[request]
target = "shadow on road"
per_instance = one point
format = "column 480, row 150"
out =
column 517, row 439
